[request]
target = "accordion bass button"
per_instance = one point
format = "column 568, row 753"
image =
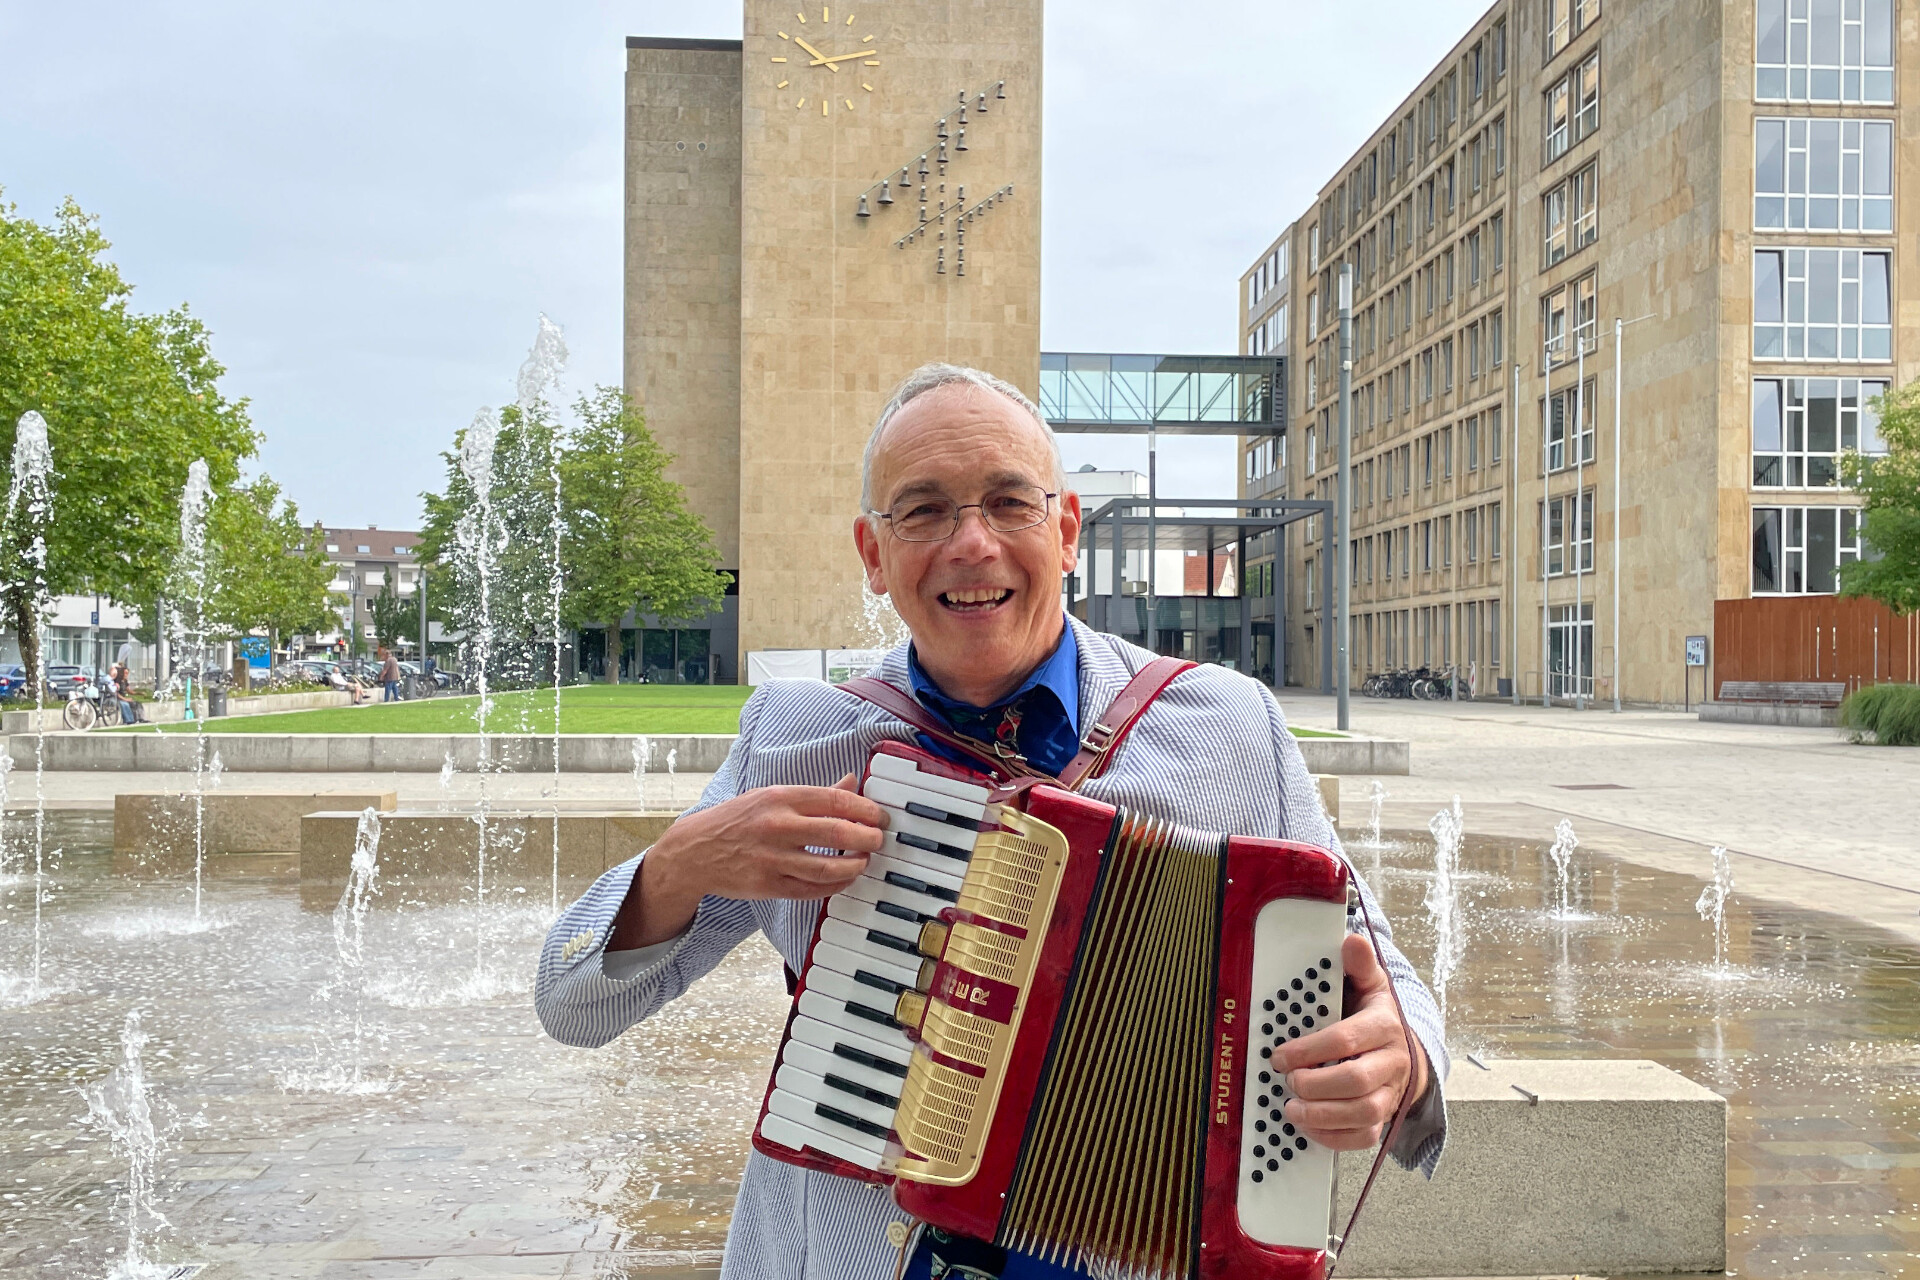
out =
column 933, row 939
column 927, row 970
column 910, row 1009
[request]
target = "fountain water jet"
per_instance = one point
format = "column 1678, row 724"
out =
column 195, row 498
column 122, row 1105
column 642, row 757
column 1712, row 905
column 1561, row 851
column 29, row 509
column 1443, row 902
column 540, row 370
column 475, row 535
column 349, row 941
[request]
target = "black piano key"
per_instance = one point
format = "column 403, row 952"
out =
column 851, row 1121
column 891, row 940
column 874, row 980
column 870, row 1060
column 884, row 1018
column 899, row 912
column 862, row 1091
column 931, row 846
column 940, row 815
column 899, row 881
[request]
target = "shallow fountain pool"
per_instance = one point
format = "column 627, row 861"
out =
column 473, row 1145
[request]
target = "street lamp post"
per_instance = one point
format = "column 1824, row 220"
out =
column 1343, row 501
column 1619, row 327
column 1513, row 534
column 1581, row 650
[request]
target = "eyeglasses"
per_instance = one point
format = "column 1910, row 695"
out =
column 935, row 517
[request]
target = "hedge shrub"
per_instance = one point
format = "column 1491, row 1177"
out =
column 1890, row 713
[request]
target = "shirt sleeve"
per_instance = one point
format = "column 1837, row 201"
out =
column 1304, row 818
column 585, row 997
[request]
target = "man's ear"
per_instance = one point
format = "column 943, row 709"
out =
column 1069, row 531
column 867, row 542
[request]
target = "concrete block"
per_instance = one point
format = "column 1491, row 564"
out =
column 1768, row 713
column 406, row 752
column 429, row 850
column 1608, row 1168
column 235, row 822
column 1356, row 755
column 631, row 834
column 349, row 752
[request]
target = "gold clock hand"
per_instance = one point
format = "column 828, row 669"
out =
column 841, row 57
column 820, row 59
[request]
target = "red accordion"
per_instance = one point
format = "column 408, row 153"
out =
column 1045, row 1022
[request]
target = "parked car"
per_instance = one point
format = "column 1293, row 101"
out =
column 64, row 678
column 13, row 680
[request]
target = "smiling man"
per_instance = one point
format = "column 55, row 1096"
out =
column 969, row 528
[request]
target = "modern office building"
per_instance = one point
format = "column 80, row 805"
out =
column 1626, row 276
column 812, row 212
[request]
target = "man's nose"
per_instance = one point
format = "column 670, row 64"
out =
column 973, row 538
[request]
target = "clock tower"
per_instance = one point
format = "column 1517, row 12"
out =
column 812, row 212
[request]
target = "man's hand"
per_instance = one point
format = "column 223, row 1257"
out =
column 1347, row 1078
column 752, row 846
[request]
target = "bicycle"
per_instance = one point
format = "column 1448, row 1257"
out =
column 82, row 711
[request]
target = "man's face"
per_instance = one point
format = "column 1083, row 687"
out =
column 984, row 607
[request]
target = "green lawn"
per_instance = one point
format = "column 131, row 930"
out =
column 626, row 708
column 599, row 708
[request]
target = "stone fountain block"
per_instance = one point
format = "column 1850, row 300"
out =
column 1618, row 1167
column 236, row 822
column 1329, row 795
column 430, row 846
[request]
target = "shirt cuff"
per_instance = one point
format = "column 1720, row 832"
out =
column 624, row 966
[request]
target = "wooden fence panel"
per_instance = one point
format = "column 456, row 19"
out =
column 1850, row 639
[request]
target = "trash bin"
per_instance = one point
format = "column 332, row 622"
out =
column 216, row 701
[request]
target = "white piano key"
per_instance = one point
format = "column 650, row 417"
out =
column 804, row 1084
column 824, row 1036
column 834, row 1013
column 873, row 889
column 850, row 961
column 852, row 991
column 798, row 1137
column 803, row 1113
column 881, row 863
column 825, row 1062
column 898, row 795
column 864, row 915
column 902, row 770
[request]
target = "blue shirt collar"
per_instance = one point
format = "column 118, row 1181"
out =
column 1059, row 675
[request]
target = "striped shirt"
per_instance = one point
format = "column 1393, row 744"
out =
column 1212, row 753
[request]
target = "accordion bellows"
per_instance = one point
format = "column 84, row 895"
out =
column 1045, row 1022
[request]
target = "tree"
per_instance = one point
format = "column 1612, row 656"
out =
column 265, row 569
column 130, row 401
column 629, row 541
column 1889, row 487
column 394, row 616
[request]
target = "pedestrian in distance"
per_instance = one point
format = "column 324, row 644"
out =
column 389, row 676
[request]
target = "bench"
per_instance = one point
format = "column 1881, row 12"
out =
column 1800, row 693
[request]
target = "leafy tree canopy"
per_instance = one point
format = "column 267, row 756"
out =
column 1889, row 487
column 130, row 401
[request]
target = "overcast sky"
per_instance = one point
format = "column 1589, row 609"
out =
column 371, row 203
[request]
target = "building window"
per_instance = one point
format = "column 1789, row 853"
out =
column 1801, row 426
column 1471, row 429
column 1497, row 343
column 1493, row 436
column 1426, row 374
column 1823, row 52
column 1563, row 516
column 1496, row 232
column 1493, row 531
column 1798, row 550
column 1472, row 344
column 1821, row 304
column 1823, row 175
column 1556, row 419
column 1572, row 107
column 333, row 546
column 1567, row 19
column 1446, row 453
column 1568, row 213
column 364, row 550
column 1570, row 312
column 1310, row 453
column 1473, row 257
column 1497, row 135
column 1470, row 535
column 1446, row 364
column 1446, row 272
column 1499, row 49
column 1446, row 542
column 1426, row 461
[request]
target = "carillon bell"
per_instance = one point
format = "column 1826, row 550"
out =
column 923, row 166
column 960, row 143
column 886, row 196
column 943, row 153
column 1000, row 91
column 905, row 178
column 940, row 262
column 943, row 128
column 960, row 262
column 982, row 106
column 862, row 212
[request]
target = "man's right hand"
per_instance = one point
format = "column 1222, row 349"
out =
column 753, row 846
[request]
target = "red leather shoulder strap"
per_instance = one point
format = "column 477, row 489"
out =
column 901, row 705
column 1111, row 726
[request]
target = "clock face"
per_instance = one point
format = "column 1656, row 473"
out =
column 826, row 65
